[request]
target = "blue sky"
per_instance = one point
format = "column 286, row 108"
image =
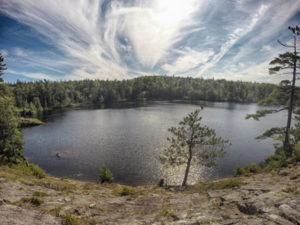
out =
column 114, row 39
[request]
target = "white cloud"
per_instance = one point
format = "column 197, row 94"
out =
column 141, row 36
column 152, row 28
column 233, row 37
column 189, row 59
column 90, row 38
column 19, row 52
column 4, row 52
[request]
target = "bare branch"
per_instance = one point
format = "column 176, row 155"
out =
column 285, row 45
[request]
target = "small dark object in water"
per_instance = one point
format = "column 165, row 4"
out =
column 161, row 183
column 58, row 155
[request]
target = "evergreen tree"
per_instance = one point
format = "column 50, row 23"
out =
column 287, row 61
column 11, row 143
column 2, row 67
column 192, row 142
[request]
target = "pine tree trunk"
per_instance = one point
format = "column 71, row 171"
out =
column 290, row 109
column 188, row 165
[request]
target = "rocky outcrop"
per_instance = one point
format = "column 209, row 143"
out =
column 263, row 199
column 11, row 214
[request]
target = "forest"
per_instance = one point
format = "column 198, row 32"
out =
column 31, row 97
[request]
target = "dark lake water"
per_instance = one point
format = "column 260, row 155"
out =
column 127, row 140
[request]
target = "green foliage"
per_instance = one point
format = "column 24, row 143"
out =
column 275, row 132
column 37, row 171
column 33, row 200
column 31, row 97
column 106, row 175
column 288, row 61
column 124, row 191
column 239, row 171
column 247, row 170
column 192, row 142
column 259, row 113
column 252, row 168
column 21, row 171
column 11, row 143
column 2, row 67
column 296, row 154
column 285, row 60
column 279, row 95
column 69, row 219
column 226, row 184
column 275, row 161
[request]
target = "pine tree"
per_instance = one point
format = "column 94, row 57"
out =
column 2, row 67
column 288, row 61
column 11, row 143
column 192, row 142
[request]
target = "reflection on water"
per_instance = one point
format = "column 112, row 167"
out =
column 127, row 140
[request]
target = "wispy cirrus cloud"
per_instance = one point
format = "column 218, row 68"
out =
column 116, row 39
column 93, row 38
column 188, row 60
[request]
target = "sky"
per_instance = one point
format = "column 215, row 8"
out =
column 123, row 39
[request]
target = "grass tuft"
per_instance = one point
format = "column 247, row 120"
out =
column 69, row 219
column 32, row 200
column 39, row 194
column 124, row 191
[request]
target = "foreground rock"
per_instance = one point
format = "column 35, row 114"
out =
column 10, row 214
column 263, row 199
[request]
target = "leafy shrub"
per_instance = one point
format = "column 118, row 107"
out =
column 124, row 191
column 275, row 161
column 296, row 155
column 252, row 168
column 127, row 191
column 33, row 200
column 37, row 171
column 105, row 175
column 247, row 170
column 69, row 219
column 239, row 171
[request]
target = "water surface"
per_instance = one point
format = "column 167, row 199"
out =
column 127, row 140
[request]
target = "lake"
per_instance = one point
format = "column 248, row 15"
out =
column 128, row 139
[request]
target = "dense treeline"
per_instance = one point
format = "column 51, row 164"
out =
column 41, row 95
column 280, row 95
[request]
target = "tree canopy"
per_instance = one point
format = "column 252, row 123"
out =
column 43, row 95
